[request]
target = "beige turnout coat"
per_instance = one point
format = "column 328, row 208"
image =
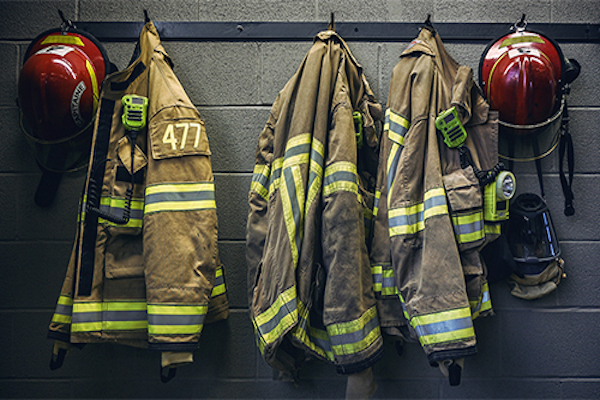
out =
column 309, row 280
column 428, row 219
column 148, row 282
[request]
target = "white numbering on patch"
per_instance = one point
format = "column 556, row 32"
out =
column 181, row 131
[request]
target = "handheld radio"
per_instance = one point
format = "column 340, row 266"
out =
column 451, row 128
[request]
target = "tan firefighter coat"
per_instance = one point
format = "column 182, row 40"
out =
column 148, row 282
column 310, row 287
column 428, row 219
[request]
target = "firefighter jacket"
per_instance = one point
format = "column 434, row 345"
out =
column 147, row 282
column 428, row 218
column 309, row 280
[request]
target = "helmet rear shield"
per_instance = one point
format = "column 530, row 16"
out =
column 530, row 233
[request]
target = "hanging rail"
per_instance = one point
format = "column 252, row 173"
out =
column 350, row 31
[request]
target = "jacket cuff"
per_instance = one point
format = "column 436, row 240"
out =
column 177, row 347
column 453, row 354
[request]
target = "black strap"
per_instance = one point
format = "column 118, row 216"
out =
column 454, row 374
column 166, row 374
column 47, row 188
column 566, row 145
column 56, row 361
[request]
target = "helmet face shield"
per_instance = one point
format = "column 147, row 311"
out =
column 530, row 234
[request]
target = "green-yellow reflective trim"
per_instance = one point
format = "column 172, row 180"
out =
column 376, row 203
column 444, row 326
column 179, row 197
column 162, row 309
column 113, row 315
column 460, row 334
column 61, row 319
column 219, row 287
column 275, row 320
column 340, row 176
column 411, row 219
column 175, row 329
column 440, row 317
column 468, row 227
column 521, row 39
column 492, row 229
column 260, row 180
column 482, row 304
column 86, row 327
column 354, row 336
column 396, row 125
column 124, row 325
column 315, row 181
column 275, row 175
column 314, row 335
column 65, row 300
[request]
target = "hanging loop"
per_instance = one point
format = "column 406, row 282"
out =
column 66, row 24
column 521, row 25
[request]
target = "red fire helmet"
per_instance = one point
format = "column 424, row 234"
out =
column 59, row 87
column 522, row 77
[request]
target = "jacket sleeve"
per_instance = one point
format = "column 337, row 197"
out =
column 180, row 220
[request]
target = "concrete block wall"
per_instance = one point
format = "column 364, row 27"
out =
column 548, row 348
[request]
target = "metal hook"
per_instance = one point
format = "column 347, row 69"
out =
column 331, row 25
column 521, row 25
column 146, row 18
column 66, row 23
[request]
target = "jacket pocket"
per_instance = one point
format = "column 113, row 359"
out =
column 466, row 207
column 123, row 257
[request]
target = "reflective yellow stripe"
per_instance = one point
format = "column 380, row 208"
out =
column 484, row 303
column 384, row 281
column 376, row 203
column 315, row 339
column 340, row 176
column 281, row 315
column 315, row 180
column 354, row 336
column 166, row 319
column 444, row 326
column 396, row 125
column 63, row 311
column 114, row 315
column 411, row 219
column 260, row 180
column 94, row 81
column 275, row 175
column 63, row 39
column 179, row 197
column 219, row 286
column 492, row 229
column 65, row 300
column 468, row 227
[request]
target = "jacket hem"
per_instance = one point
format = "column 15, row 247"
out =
column 453, row 354
column 63, row 337
column 172, row 346
column 347, row 369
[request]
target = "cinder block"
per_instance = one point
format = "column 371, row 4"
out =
column 233, row 257
column 353, row 10
column 537, row 11
column 226, row 349
column 586, row 142
column 581, row 226
column 580, row 288
column 25, row 19
column 16, row 155
column 279, row 62
column 36, row 389
column 6, row 337
column 411, row 364
column 56, row 222
column 233, row 136
column 466, row 54
column 217, row 73
column 408, row 10
column 505, row 388
column 133, row 10
column 8, row 81
column 8, row 202
column 256, row 10
column 575, row 11
column 39, row 265
column 231, row 192
column 409, row 388
column 536, row 343
column 389, row 57
column 119, row 53
column 585, row 89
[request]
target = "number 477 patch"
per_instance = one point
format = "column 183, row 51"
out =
column 178, row 138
